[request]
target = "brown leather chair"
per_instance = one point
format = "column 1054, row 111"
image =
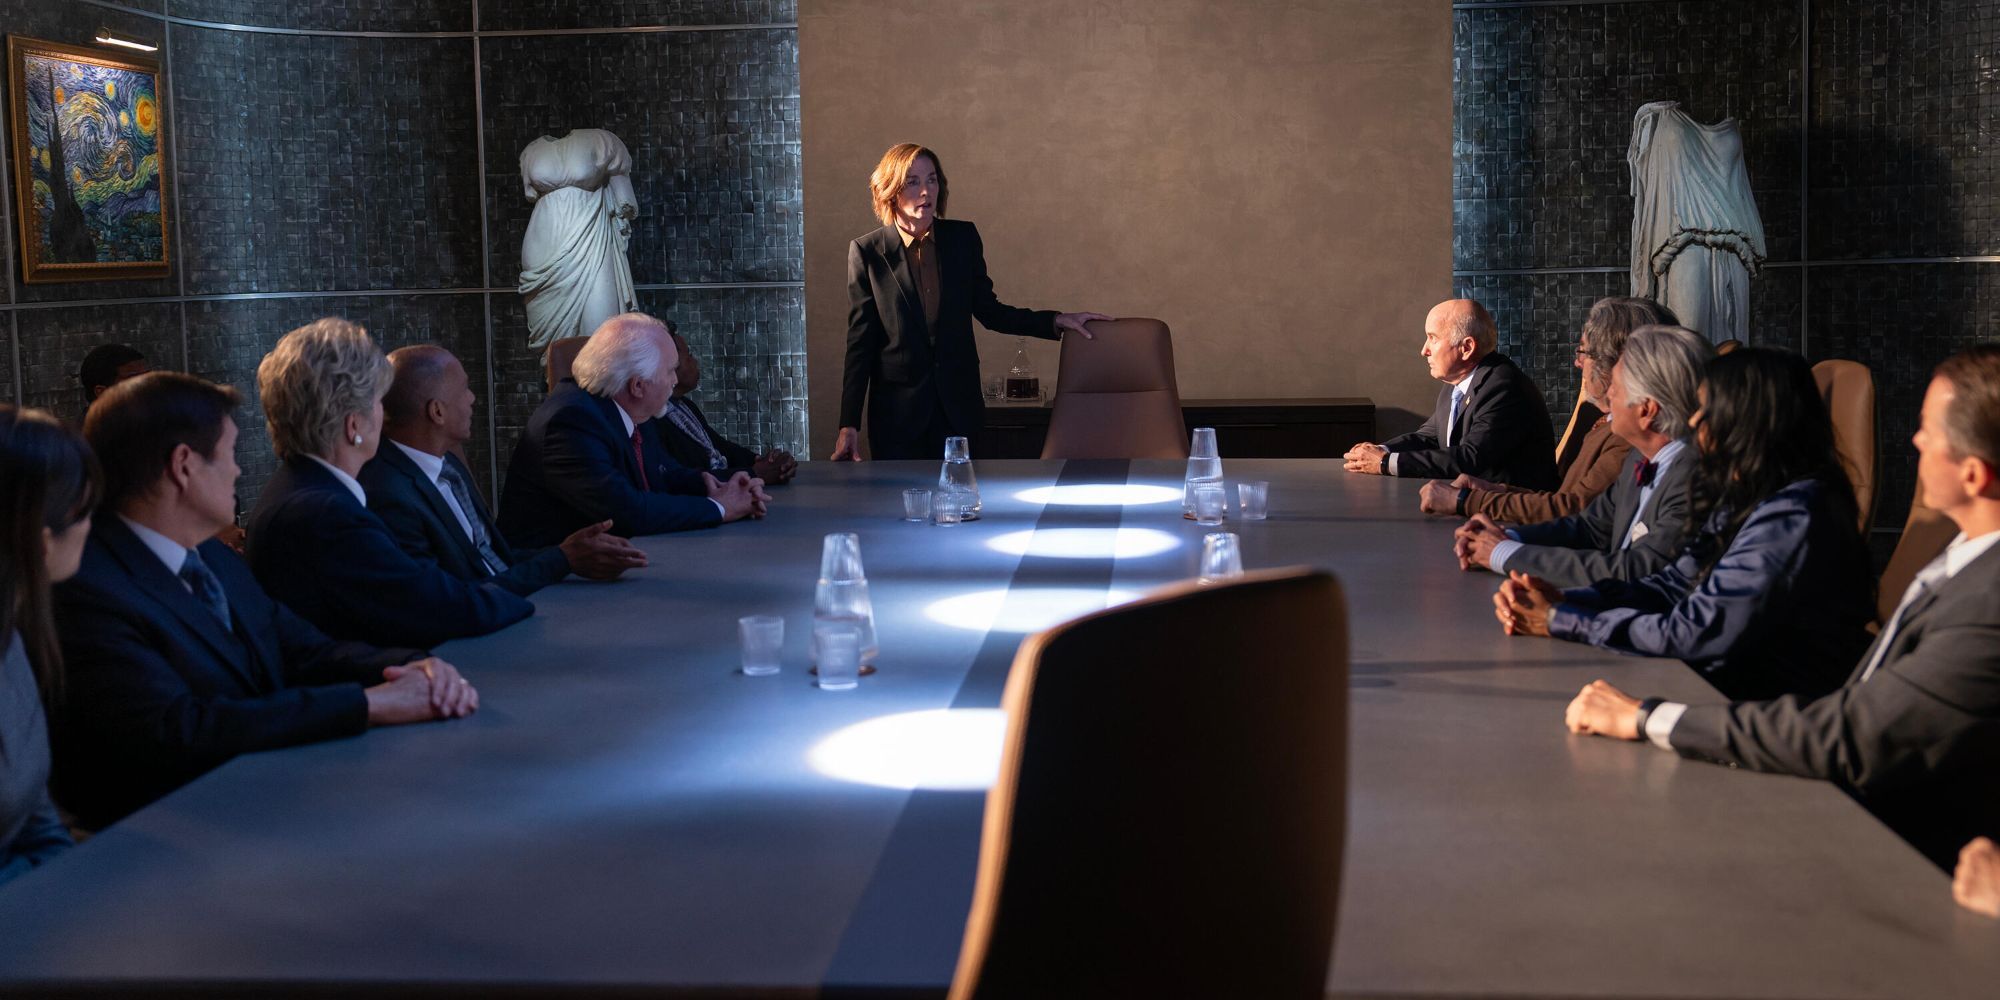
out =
column 1171, row 807
column 560, row 356
column 1925, row 534
column 1582, row 418
column 1116, row 396
column 1849, row 390
column 1726, row 346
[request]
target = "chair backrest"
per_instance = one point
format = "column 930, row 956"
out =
column 1925, row 534
column 1849, row 390
column 1116, row 396
column 560, row 357
column 1171, row 808
column 1581, row 419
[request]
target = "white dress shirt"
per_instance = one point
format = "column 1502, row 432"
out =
column 1458, row 394
column 433, row 467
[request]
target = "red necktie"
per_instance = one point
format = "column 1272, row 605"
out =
column 1643, row 473
column 639, row 459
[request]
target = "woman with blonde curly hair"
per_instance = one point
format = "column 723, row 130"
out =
column 314, row 544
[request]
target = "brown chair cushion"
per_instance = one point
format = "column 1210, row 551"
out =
column 560, row 356
column 1849, row 390
column 1116, row 395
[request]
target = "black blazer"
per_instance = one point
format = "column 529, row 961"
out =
column 1583, row 548
column 317, row 549
column 1503, row 432
column 574, row 467
column 689, row 452
column 905, row 371
column 414, row 509
column 1918, row 743
column 156, row 690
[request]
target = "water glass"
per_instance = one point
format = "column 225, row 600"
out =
column 916, row 505
column 1221, row 557
column 946, row 510
column 1209, row 503
column 839, row 655
column 763, row 636
column 992, row 387
column 1255, row 497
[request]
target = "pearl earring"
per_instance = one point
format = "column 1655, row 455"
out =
column 357, row 440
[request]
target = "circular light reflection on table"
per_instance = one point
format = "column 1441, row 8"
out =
column 1086, row 543
column 1022, row 609
column 1100, row 495
column 948, row 749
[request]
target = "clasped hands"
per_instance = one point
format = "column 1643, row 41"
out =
column 1367, row 457
column 419, row 691
column 1474, row 541
column 742, row 496
column 775, row 467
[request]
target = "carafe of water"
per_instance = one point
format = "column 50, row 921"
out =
column 956, row 483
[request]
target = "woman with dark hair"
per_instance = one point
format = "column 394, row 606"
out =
column 1772, row 596
column 48, row 486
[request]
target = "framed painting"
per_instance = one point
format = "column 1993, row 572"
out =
column 90, row 193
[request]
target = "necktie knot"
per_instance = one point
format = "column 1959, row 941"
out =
column 207, row 589
column 1643, row 473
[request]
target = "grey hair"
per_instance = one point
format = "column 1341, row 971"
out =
column 619, row 351
column 1664, row 364
column 1610, row 321
column 316, row 376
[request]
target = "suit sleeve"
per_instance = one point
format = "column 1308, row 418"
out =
column 311, row 658
column 41, row 838
column 1532, row 507
column 1497, row 427
column 994, row 314
column 1594, row 555
column 369, row 581
column 581, row 472
column 541, row 568
column 865, row 338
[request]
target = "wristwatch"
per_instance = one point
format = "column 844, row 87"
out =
column 1459, row 507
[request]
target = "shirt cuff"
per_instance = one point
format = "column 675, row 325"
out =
column 1502, row 552
column 720, row 511
column 1389, row 464
column 1660, row 724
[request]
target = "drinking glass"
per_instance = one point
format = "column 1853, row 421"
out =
column 956, row 481
column 763, row 636
column 916, row 505
column 1221, row 557
column 839, row 656
column 945, row 510
column 1204, row 467
column 1255, row 497
column 1210, row 500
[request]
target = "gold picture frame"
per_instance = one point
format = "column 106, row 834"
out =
column 93, row 204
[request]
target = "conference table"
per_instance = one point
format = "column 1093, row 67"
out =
column 628, row 812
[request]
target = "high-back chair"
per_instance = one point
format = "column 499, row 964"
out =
column 1171, row 807
column 1849, row 390
column 1581, row 419
column 1116, row 396
column 560, row 358
column 1925, row 534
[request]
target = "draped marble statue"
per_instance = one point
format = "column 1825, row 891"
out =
column 1696, row 237
column 574, row 274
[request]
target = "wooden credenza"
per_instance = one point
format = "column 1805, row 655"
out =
column 1244, row 428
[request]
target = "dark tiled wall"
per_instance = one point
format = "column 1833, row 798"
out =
column 332, row 164
column 1896, row 145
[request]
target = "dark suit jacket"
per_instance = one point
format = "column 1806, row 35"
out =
column 1503, row 432
column 906, row 372
column 1918, row 742
column 414, row 509
column 574, row 467
column 318, row 550
column 689, row 452
column 156, row 690
column 1581, row 549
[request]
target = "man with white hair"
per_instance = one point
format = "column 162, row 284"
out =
column 590, row 453
column 1490, row 421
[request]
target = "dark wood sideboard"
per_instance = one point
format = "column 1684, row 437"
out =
column 1244, row 428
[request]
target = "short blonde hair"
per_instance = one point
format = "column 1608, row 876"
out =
column 316, row 376
column 893, row 171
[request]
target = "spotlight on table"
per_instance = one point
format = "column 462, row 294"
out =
column 1100, row 495
column 948, row 749
column 1086, row 543
column 1025, row 609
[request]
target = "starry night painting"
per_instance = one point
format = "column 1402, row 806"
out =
column 88, row 135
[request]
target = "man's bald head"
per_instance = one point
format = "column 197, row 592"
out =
column 1457, row 333
column 429, row 404
column 420, row 372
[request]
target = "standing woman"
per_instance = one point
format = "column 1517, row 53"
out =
column 914, row 287
column 48, row 485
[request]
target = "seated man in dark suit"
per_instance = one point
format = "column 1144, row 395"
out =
column 692, row 442
column 1914, row 734
column 1635, row 527
column 176, row 660
column 426, row 497
column 589, row 453
column 1490, row 421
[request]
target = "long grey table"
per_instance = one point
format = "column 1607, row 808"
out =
column 627, row 811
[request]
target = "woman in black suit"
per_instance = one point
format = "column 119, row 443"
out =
column 913, row 288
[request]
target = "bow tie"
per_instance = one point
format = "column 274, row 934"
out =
column 1643, row 473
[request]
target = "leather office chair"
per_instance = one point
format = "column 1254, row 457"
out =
column 1116, row 396
column 1726, row 346
column 1171, row 808
column 1925, row 534
column 560, row 356
column 1849, row 390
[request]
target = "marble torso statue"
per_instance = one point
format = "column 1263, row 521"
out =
column 1696, row 237
column 574, row 274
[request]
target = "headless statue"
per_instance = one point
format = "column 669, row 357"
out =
column 574, row 274
column 1697, row 239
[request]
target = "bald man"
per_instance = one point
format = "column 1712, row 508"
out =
column 1490, row 421
column 421, row 490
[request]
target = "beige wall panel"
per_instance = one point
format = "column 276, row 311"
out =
column 1271, row 179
